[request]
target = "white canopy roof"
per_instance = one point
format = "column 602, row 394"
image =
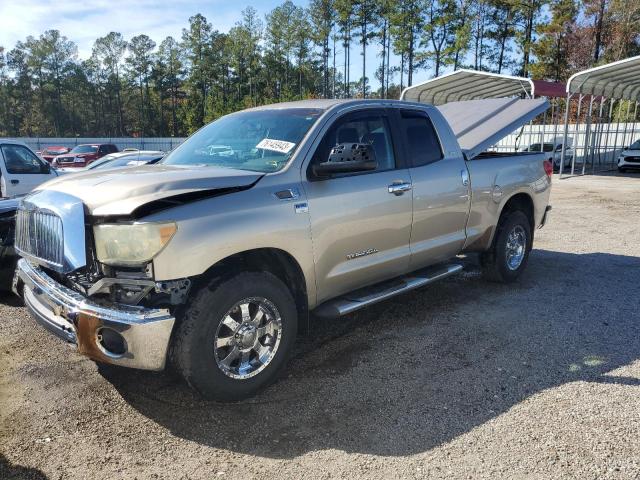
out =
column 467, row 85
column 479, row 124
column 618, row 80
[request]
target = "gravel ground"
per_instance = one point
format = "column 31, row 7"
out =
column 462, row 379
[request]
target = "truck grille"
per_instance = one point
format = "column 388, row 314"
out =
column 39, row 235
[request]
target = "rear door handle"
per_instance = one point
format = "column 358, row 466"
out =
column 465, row 177
column 15, row 182
column 398, row 188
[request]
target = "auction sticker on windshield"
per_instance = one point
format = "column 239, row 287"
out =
column 276, row 145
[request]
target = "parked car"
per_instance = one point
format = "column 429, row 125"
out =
column 21, row 170
column 82, row 155
column 8, row 256
column 49, row 153
column 121, row 159
column 629, row 159
column 554, row 154
column 213, row 259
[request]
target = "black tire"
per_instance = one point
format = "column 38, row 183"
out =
column 495, row 266
column 193, row 352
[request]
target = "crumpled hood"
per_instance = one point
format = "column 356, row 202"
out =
column 121, row 191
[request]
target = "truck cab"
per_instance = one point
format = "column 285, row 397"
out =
column 21, row 170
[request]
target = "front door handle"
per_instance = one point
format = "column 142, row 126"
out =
column 15, row 182
column 398, row 188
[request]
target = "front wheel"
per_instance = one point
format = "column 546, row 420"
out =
column 236, row 335
column 510, row 253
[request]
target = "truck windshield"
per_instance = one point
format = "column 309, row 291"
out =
column 258, row 140
column 84, row 149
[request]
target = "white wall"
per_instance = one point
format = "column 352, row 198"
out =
column 164, row 144
column 604, row 139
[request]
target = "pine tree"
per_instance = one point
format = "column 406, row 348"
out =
column 552, row 48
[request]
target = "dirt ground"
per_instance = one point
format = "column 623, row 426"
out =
column 461, row 379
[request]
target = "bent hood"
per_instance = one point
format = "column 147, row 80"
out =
column 121, row 191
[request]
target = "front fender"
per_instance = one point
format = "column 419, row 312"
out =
column 213, row 229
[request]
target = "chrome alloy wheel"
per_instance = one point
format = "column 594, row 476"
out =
column 516, row 247
column 247, row 338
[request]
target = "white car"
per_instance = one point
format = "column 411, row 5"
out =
column 21, row 170
column 629, row 159
column 134, row 157
column 554, row 153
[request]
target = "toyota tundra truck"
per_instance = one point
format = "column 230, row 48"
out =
column 212, row 260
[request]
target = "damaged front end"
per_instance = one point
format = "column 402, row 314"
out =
column 127, row 335
column 86, row 272
column 115, row 314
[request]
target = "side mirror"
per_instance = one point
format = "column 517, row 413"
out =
column 348, row 158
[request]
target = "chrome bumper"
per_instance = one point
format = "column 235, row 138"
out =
column 76, row 319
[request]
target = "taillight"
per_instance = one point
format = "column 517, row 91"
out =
column 548, row 168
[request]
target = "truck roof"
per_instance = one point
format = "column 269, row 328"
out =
column 327, row 103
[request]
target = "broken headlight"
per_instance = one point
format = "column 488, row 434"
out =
column 131, row 243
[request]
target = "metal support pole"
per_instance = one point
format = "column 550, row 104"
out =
column 555, row 114
column 577, row 129
column 633, row 125
column 564, row 138
column 542, row 127
column 595, row 138
column 587, row 133
column 606, row 138
column 626, row 125
column 615, row 140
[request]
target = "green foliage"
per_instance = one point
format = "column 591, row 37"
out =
column 138, row 87
column 553, row 48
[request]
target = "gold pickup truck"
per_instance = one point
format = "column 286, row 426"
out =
column 211, row 259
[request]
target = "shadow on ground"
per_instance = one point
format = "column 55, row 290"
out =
column 404, row 376
column 9, row 471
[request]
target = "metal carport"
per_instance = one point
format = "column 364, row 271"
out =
column 612, row 83
column 468, row 85
column 464, row 85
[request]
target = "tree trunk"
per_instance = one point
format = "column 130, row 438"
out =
column 528, row 35
column 598, row 42
column 384, row 58
column 333, row 85
column 364, row 59
column 411, row 52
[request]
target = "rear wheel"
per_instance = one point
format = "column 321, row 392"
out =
column 236, row 335
column 510, row 252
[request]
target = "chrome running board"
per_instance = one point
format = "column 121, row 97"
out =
column 364, row 297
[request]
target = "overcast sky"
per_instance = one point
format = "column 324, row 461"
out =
column 84, row 21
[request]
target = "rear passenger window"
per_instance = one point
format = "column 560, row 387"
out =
column 423, row 146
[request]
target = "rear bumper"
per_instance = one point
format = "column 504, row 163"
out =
column 80, row 321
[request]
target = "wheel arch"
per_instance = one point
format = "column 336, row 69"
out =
column 520, row 201
column 269, row 259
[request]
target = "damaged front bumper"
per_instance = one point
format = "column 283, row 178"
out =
column 125, row 335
